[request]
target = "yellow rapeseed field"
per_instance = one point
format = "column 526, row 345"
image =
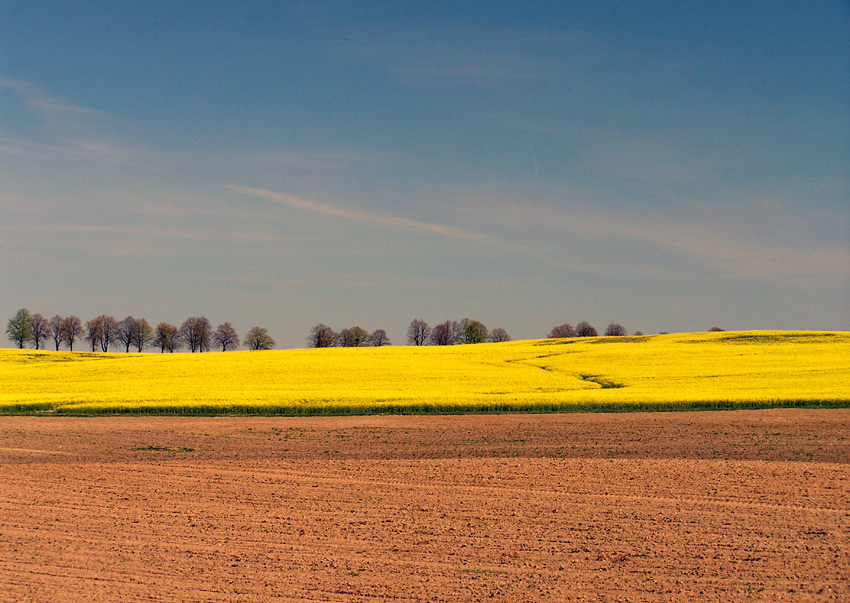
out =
column 677, row 371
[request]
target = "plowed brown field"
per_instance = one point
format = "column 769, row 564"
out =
column 710, row 506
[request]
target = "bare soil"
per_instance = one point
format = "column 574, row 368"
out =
column 709, row 506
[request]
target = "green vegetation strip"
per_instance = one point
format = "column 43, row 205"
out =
column 423, row 409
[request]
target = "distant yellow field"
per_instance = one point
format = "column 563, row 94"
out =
column 678, row 371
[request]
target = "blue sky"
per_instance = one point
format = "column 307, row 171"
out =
column 666, row 165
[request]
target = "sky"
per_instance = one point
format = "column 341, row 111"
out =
column 669, row 166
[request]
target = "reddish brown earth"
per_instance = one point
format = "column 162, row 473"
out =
column 710, row 506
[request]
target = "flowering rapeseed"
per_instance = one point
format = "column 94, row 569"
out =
column 678, row 371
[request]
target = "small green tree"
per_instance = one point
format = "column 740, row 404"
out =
column 472, row 331
column 258, row 339
column 142, row 334
column 19, row 328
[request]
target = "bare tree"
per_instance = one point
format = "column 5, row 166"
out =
column 124, row 332
column 19, row 327
column 322, row 336
column 583, row 329
column 109, row 330
column 55, row 325
column 457, row 332
column 379, row 338
column 616, row 330
column 101, row 331
column 142, row 334
column 354, row 337
column 40, row 329
column 226, row 337
column 167, row 337
column 498, row 335
column 638, row 333
column 196, row 332
column 258, row 339
column 72, row 329
column 442, row 334
column 562, row 331
column 93, row 333
column 418, row 332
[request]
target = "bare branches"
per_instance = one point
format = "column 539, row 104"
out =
column 101, row 332
column 167, row 337
column 562, row 331
column 104, row 331
column 616, row 330
column 498, row 335
column 322, row 336
column 354, row 337
column 72, row 329
column 55, row 325
column 584, row 329
column 195, row 332
column 225, row 336
column 442, row 334
column 418, row 332
column 379, row 338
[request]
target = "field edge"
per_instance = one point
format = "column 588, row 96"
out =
column 413, row 409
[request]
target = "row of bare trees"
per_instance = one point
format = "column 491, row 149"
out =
column 101, row 333
column 584, row 329
column 323, row 336
column 197, row 335
column 419, row 332
column 453, row 332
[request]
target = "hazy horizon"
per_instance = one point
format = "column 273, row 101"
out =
column 669, row 166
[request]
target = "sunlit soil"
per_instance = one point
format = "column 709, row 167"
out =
column 749, row 505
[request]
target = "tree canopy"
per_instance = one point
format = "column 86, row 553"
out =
column 19, row 327
column 257, row 339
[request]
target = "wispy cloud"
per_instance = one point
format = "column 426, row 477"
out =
column 354, row 215
column 71, row 132
column 55, row 112
column 472, row 54
column 156, row 231
column 86, row 150
column 752, row 239
column 734, row 243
